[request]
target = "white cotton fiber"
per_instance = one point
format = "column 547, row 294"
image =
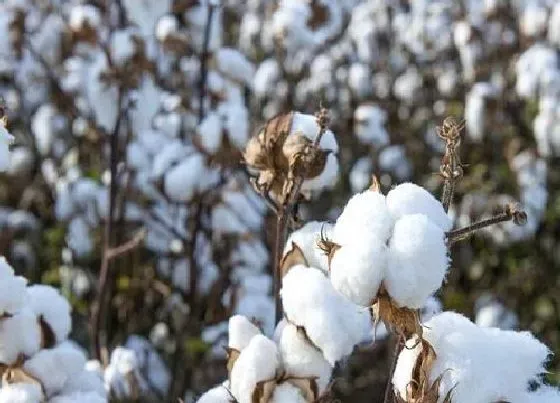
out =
column 19, row 334
column 183, row 180
column 358, row 267
column 333, row 323
column 241, row 331
column 306, row 239
column 218, row 394
column 287, row 393
column 85, row 381
column 364, row 212
column 417, row 260
column 257, row 362
column 301, row 359
column 21, row 393
column 47, row 303
column 12, row 289
column 481, row 364
column 5, row 140
column 54, row 367
column 210, row 133
column 408, row 198
column 307, row 125
column 79, row 397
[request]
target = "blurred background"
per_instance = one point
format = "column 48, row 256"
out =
column 130, row 118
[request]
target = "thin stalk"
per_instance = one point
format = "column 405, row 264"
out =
column 279, row 241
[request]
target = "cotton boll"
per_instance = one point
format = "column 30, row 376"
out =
column 13, row 294
column 150, row 362
column 365, row 212
column 257, row 362
column 54, row 367
column 182, row 181
column 306, row 239
column 235, row 65
column 43, row 128
column 369, row 125
column 86, row 381
column 21, row 393
column 408, row 198
column 241, row 332
column 5, row 140
column 358, row 267
column 417, row 260
column 79, row 397
column 78, row 237
column 20, row 334
column 287, row 393
column 102, row 97
column 469, row 357
column 333, row 324
column 123, row 373
column 301, row 359
column 218, row 394
column 210, row 132
column 53, row 308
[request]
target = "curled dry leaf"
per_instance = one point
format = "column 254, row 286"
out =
column 404, row 321
column 279, row 158
column 293, row 258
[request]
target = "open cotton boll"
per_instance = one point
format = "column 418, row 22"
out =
column 13, row 292
column 53, row 308
column 334, row 324
column 235, row 65
column 480, row 364
column 357, row 268
column 210, row 132
column 21, row 393
column 287, row 393
column 5, row 140
column 365, row 212
column 150, row 363
column 417, row 260
column 306, row 239
column 257, row 362
column 218, row 394
column 182, row 181
column 301, row 359
column 408, row 198
column 122, row 374
column 19, row 334
column 241, row 331
column 85, row 381
column 79, row 397
column 54, row 367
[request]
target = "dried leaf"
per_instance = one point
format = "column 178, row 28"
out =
column 404, row 321
column 264, row 391
column 293, row 258
column 232, row 356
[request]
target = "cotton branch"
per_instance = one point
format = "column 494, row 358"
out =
column 511, row 213
column 451, row 168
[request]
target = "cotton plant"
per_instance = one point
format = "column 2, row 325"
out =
column 39, row 363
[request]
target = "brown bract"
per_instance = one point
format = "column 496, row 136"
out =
column 401, row 320
column 278, row 158
column 292, row 258
column 265, row 389
column 14, row 373
column 420, row 389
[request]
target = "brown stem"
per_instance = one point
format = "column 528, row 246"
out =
column 448, row 193
column 126, row 247
column 388, row 388
column 511, row 213
column 279, row 241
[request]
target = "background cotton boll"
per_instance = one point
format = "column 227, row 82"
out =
column 182, row 181
column 404, row 367
column 5, row 140
column 210, row 132
column 417, row 260
column 408, row 198
column 332, row 323
column 102, row 97
column 150, row 363
column 235, row 65
column 257, row 362
column 287, row 393
column 54, row 367
column 21, row 393
column 241, row 331
column 358, row 267
column 469, row 357
column 306, row 239
column 85, row 381
column 19, row 334
column 79, row 397
column 122, row 374
column 218, row 394
column 369, row 122
column 78, row 237
column 301, row 359
column 13, row 294
column 365, row 212
column 47, row 303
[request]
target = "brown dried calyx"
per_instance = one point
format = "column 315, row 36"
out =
column 401, row 320
column 419, row 389
column 279, row 158
column 15, row 373
column 265, row 389
column 292, row 258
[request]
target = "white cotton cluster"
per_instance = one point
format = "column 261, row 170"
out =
column 330, row 321
column 397, row 240
column 489, row 312
column 476, row 109
column 307, row 238
column 370, row 125
column 123, row 376
column 476, row 364
column 34, row 327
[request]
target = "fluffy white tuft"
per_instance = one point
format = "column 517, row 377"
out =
column 241, row 331
column 47, row 303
